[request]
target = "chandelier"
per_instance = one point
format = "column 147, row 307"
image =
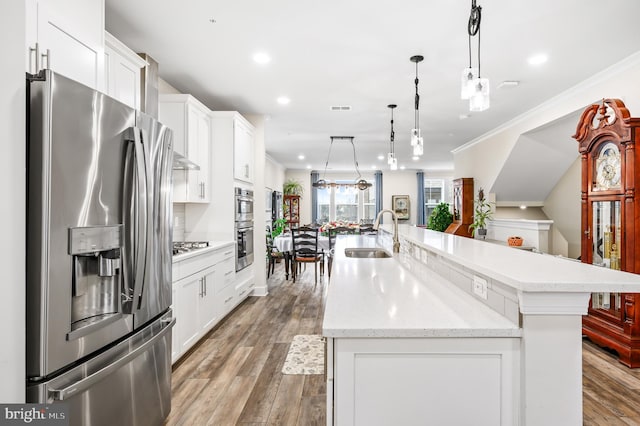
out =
column 391, row 157
column 416, row 139
column 473, row 86
column 359, row 182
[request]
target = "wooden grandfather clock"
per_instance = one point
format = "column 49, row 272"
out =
column 607, row 138
column 462, row 207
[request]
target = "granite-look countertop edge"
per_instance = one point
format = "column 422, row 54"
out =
column 213, row 245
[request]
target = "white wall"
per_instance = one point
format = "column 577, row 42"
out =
column 484, row 157
column 259, row 214
column 13, row 194
column 563, row 206
column 164, row 88
column 274, row 174
column 400, row 183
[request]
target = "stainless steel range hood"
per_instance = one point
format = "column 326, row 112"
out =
column 180, row 162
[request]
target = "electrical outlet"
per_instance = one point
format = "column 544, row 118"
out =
column 480, row 287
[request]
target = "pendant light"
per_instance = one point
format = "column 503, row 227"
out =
column 358, row 183
column 391, row 157
column 416, row 139
column 473, row 86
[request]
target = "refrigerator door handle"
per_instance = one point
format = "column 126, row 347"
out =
column 142, row 218
column 87, row 382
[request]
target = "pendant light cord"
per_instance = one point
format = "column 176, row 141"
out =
column 417, row 115
column 393, row 151
column 473, row 28
column 355, row 160
column 326, row 164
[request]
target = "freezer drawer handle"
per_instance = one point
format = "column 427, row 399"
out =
column 87, row 382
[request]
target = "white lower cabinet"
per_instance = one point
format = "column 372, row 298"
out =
column 205, row 289
column 411, row 381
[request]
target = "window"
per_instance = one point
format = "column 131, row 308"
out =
column 433, row 195
column 346, row 203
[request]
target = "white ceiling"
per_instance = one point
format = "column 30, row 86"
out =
column 356, row 53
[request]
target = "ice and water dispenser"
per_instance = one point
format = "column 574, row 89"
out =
column 96, row 277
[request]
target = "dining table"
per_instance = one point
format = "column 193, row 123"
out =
column 284, row 244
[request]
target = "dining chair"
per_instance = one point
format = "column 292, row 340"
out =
column 367, row 229
column 305, row 249
column 333, row 233
column 273, row 254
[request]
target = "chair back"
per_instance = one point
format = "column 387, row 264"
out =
column 338, row 230
column 367, row 229
column 305, row 241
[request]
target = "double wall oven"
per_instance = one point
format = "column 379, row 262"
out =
column 244, row 227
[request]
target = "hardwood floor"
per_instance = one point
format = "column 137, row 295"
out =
column 233, row 376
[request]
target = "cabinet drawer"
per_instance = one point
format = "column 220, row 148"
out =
column 192, row 265
column 226, row 300
column 225, row 274
column 243, row 290
column 224, row 253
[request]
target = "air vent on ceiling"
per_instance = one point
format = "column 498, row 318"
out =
column 340, row 108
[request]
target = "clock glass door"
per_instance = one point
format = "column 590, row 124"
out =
column 607, row 246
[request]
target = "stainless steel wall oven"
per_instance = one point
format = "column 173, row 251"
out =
column 244, row 227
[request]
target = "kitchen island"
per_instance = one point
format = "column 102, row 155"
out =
column 456, row 331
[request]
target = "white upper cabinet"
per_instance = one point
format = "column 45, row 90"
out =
column 122, row 71
column 67, row 36
column 191, row 125
column 243, row 167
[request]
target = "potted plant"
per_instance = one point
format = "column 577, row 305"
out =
column 292, row 187
column 482, row 213
column 440, row 218
column 278, row 227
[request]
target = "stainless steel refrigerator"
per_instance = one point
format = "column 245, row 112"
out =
column 99, row 248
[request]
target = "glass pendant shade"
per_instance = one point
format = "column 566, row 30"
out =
column 390, row 158
column 466, row 82
column 418, row 148
column 479, row 100
column 393, row 165
column 415, row 135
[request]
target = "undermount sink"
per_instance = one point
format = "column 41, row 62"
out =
column 365, row 252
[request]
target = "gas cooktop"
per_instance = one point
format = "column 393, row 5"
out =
column 181, row 247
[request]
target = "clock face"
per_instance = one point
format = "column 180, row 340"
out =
column 608, row 168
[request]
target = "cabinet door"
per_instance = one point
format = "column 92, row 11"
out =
column 122, row 72
column 243, row 153
column 207, row 309
column 72, row 32
column 188, row 297
column 198, row 140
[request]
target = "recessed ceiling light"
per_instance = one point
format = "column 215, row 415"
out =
column 261, row 58
column 308, row 166
column 523, row 207
column 508, row 83
column 415, row 158
column 538, row 59
column 373, row 167
column 402, row 167
column 301, row 157
column 464, row 116
column 283, row 100
column 380, row 157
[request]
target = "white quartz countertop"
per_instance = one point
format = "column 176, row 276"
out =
column 522, row 270
column 380, row 298
column 213, row 245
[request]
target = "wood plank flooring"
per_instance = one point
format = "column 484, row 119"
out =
column 233, row 376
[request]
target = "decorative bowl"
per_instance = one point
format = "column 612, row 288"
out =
column 514, row 241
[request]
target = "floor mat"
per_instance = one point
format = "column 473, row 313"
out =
column 305, row 356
